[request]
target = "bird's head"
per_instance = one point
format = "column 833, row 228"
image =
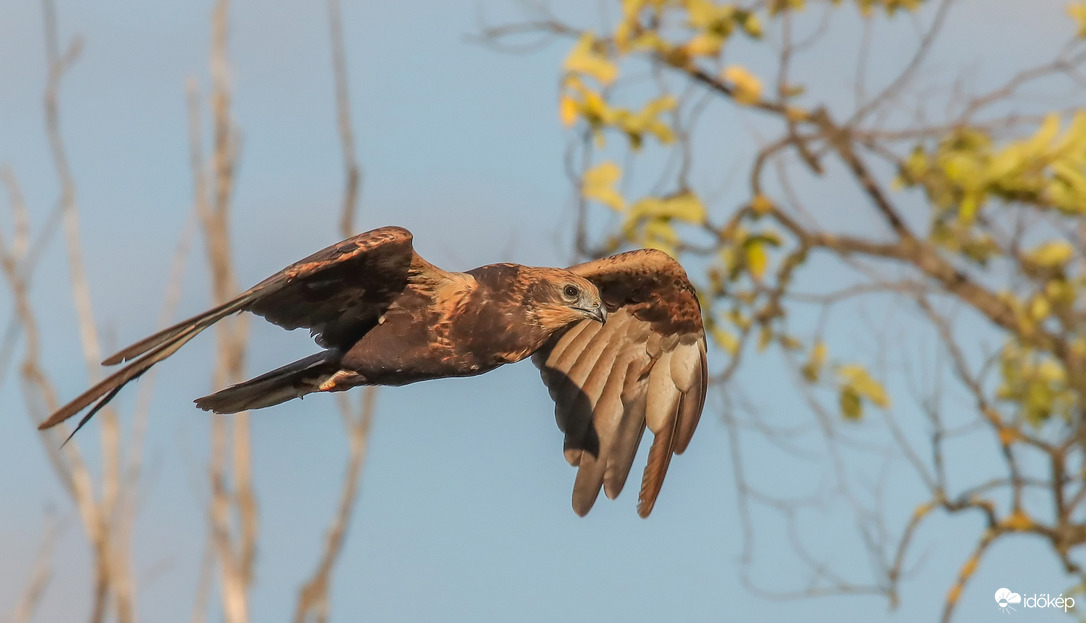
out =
column 559, row 298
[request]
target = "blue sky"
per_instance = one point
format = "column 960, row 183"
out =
column 464, row 511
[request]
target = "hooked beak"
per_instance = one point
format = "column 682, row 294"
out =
column 597, row 313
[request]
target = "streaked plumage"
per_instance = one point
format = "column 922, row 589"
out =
column 385, row 316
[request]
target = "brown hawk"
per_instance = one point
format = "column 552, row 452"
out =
column 619, row 342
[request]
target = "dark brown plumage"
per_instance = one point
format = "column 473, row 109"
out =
column 619, row 342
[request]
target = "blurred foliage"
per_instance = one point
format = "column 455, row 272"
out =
column 984, row 209
column 964, row 173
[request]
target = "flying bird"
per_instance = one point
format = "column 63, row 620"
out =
column 619, row 342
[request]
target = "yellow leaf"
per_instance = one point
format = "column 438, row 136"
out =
column 651, row 41
column 765, row 336
column 761, row 205
column 599, row 184
column 812, row 370
column 967, row 211
column 1040, row 142
column 1018, row 520
column 1004, row 162
column 767, row 236
column 725, row 340
column 1008, row 435
column 596, row 110
column 658, row 234
column 660, row 105
column 567, row 110
column 647, row 120
column 1077, row 11
column 1039, row 308
column 789, row 342
column 851, row 407
column 857, row 378
column 683, row 207
column 1060, row 292
column 1051, row 254
column 757, row 257
column 1048, row 371
column 585, row 59
column 1075, row 134
column 705, row 44
column 797, row 114
column 751, row 24
column 747, row 88
column 662, row 131
column 777, row 6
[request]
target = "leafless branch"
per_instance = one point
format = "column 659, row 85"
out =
column 313, row 599
column 314, row 596
column 343, row 122
column 39, row 575
column 235, row 551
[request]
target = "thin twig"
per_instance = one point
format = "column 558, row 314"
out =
column 314, row 596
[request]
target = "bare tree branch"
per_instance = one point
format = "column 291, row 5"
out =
column 314, row 596
column 39, row 575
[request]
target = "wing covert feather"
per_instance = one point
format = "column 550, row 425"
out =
column 645, row 367
column 338, row 292
column 362, row 274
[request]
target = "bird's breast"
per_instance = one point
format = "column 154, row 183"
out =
column 405, row 347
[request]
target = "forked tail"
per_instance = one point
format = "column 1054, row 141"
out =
column 149, row 352
column 293, row 380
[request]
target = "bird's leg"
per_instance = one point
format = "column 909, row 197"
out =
column 339, row 381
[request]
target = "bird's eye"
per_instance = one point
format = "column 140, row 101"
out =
column 571, row 292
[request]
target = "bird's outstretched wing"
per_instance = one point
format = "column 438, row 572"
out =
column 338, row 292
column 644, row 366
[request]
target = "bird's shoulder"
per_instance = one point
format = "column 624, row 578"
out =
column 651, row 284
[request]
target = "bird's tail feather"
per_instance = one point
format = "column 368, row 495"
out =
column 280, row 385
column 107, row 388
column 189, row 327
column 150, row 351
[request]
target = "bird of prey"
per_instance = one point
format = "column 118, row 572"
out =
column 619, row 342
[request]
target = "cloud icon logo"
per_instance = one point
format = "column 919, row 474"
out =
column 1004, row 598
